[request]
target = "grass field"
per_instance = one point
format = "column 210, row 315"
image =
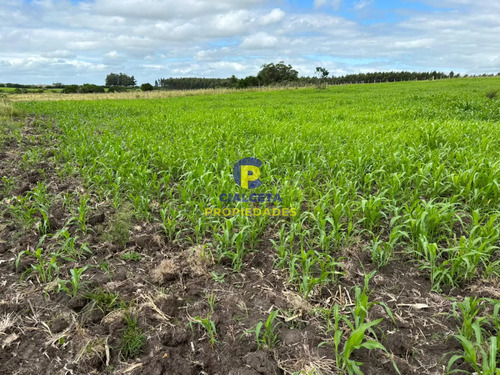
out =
column 131, row 94
column 11, row 90
column 390, row 265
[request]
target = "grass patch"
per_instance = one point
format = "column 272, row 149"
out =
column 133, row 339
column 105, row 300
column 118, row 231
column 7, row 110
column 131, row 256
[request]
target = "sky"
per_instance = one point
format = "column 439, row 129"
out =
column 72, row 41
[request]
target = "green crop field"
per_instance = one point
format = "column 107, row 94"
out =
column 390, row 265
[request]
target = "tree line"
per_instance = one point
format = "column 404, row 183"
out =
column 283, row 75
column 279, row 74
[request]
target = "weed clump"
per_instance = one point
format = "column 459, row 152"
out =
column 491, row 94
column 7, row 110
column 133, row 339
column 118, row 231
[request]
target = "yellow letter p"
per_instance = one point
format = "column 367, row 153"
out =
column 249, row 173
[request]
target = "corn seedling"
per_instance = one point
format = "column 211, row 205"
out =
column 7, row 186
column 211, row 299
column 75, row 283
column 82, row 212
column 46, row 267
column 218, row 278
column 265, row 332
column 355, row 336
column 208, row 325
column 479, row 353
column 362, row 304
column 169, row 220
column 70, row 250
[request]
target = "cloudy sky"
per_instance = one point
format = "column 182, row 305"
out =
column 72, row 41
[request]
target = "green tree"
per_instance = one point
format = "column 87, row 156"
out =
column 70, row 89
column 277, row 73
column 233, row 81
column 322, row 75
column 147, row 87
column 113, row 79
column 90, row 88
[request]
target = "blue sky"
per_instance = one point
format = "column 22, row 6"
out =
column 70, row 41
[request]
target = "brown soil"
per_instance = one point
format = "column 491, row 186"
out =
column 51, row 333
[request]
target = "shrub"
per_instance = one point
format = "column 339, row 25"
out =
column 147, row 87
column 70, row 89
column 117, row 89
column 88, row 88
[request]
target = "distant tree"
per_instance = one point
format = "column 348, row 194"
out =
column 70, row 89
column 452, row 74
column 194, row 83
column 113, row 79
column 88, row 88
column 250, row 81
column 322, row 75
column 57, row 85
column 277, row 73
column 233, row 81
column 147, row 87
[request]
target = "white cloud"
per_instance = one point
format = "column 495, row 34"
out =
column 36, row 62
column 168, row 9
column 234, row 66
column 274, row 16
column 417, row 43
column 231, row 23
column 212, row 54
column 58, row 53
column 113, row 55
column 45, row 41
column 260, row 40
column 334, row 4
column 362, row 4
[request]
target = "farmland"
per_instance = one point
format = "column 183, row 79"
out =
column 391, row 265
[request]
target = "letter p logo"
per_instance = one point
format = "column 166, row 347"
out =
column 246, row 173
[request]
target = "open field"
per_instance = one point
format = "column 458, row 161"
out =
column 109, row 264
column 30, row 92
column 133, row 94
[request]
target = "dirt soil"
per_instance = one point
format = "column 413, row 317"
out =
column 43, row 331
